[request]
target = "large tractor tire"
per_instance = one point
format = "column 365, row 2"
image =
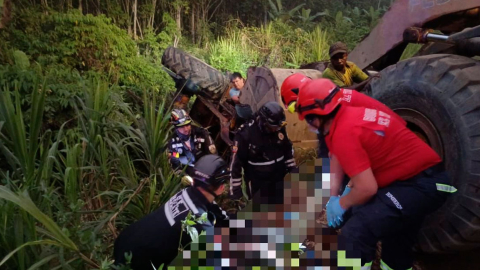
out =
column 439, row 97
column 212, row 82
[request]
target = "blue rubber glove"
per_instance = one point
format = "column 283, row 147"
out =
column 334, row 212
column 346, row 191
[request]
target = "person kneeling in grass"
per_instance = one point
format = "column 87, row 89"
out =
column 154, row 240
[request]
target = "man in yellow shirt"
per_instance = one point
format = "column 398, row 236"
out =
column 344, row 73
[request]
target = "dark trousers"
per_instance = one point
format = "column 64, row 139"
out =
column 393, row 216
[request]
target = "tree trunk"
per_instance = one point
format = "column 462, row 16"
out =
column 178, row 19
column 44, row 3
column 265, row 16
column 127, row 11
column 5, row 13
column 152, row 17
column 135, row 20
column 139, row 25
column 80, row 5
column 192, row 22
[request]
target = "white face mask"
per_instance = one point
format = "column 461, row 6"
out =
column 313, row 129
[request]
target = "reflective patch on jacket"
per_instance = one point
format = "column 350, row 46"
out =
column 177, row 205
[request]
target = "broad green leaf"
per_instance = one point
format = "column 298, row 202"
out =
column 21, row 59
column 24, row 201
column 39, row 242
column 190, row 222
column 43, row 261
column 192, row 231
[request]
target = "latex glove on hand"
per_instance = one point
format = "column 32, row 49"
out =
column 334, row 212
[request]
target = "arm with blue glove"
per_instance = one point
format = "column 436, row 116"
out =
column 363, row 189
column 334, row 210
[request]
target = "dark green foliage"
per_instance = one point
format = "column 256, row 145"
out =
column 71, row 46
column 84, row 43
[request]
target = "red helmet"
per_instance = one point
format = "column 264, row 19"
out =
column 292, row 82
column 320, row 96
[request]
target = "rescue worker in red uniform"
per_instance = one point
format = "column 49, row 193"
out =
column 290, row 88
column 264, row 152
column 289, row 92
column 397, row 179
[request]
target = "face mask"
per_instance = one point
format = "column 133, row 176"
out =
column 313, row 129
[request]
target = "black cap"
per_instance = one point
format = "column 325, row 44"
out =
column 209, row 169
column 337, row 47
column 273, row 114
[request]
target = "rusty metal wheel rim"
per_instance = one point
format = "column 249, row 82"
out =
column 423, row 128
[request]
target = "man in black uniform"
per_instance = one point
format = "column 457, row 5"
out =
column 189, row 142
column 262, row 149
column 154, row 239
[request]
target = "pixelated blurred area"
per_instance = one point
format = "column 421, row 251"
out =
column 284, row 236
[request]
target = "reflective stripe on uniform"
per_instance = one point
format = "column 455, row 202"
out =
column 188, row 200
column 366, row 266
column 384, row 266
column 446, row 188
column 168, row 214
column 231, row 166
column 236, row 182
column 343, row 261
column 266, row 162
column 290, row 162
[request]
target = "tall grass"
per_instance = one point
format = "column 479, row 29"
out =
column 65, row 193
column 232, row 53
column 320, row 43
column 276, row 44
